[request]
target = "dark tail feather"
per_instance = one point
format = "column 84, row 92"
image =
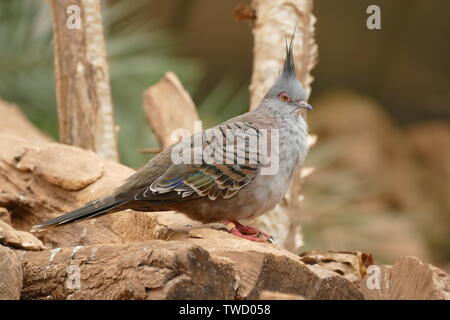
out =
column 93, row 209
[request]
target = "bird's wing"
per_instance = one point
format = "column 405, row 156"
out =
column 228, row 163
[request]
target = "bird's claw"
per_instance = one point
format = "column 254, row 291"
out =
column 270, row 239
column 247, row 232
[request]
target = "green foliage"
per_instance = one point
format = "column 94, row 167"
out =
column 26, row 62
column 227, row 99
column 139, row 53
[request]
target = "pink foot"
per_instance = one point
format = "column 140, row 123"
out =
column 250, row 230
column 246, row 232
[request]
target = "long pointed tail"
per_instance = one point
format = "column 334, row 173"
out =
column 93, row 209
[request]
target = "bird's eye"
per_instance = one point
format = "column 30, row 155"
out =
column 283, row 96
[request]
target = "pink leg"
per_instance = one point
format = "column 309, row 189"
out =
column 246, row 232
column 250, row 230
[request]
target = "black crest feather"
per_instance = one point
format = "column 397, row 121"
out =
column 287, row 81
column 289, row 65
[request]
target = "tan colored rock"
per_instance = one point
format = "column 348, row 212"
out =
column 269, row 267
column 145, row 270
column 274, row 295
column 18, row 239
column 34, row 183
column 10, row 275
column 5, row 216
column 350, row 265
column 60, row 165
column 408, row 279
column 209, row 265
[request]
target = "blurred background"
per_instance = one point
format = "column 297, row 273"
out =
column 381, row 98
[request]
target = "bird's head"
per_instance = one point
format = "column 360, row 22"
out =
column 287, row 90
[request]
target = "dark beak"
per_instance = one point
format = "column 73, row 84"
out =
column 305, row 105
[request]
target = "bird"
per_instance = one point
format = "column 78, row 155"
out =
column 230, row 183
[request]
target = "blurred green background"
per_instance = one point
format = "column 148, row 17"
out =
column 381, row 97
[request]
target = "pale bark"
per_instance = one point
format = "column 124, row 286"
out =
column 85, row 109
column 275, row 22
column 168, row 107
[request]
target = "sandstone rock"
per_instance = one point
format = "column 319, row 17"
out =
column 273, row 295
column 39, row 181
column 18, row 239
column 408, row 279
column 210, row 265
column 10, row 275
column 5, row 216
column 60, row 165
column 145, row 270
column 269, row 267
column 350, row 265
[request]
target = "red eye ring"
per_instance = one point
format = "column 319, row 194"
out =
column 283, row 96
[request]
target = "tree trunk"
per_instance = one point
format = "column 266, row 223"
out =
column 85, row 110
column 275, row 21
